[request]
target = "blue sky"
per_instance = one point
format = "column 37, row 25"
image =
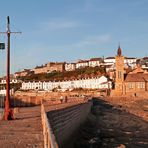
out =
column 68, row 30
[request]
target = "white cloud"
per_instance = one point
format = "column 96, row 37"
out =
column 58, row 25
column 93, row 40
column 87, row 42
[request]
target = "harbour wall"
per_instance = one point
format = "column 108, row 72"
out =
column 61, row 121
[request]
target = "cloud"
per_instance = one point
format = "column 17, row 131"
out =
column 87, row 42
column 93, row 40
column 59, row 24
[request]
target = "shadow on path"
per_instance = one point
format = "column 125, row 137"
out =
column 111, row 126
column 118, row 127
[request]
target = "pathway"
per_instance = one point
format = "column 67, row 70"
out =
column 23, row 132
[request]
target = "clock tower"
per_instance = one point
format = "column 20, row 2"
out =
column 119, row 70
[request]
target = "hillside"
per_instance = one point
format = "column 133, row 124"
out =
column 66, row 75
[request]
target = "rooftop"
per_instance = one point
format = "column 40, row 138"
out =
column 136, row 77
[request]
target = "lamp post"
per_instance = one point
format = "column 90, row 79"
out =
column 8, row 114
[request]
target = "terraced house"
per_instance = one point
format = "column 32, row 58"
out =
column 100, row 82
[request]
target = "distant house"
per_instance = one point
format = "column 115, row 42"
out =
column 109, row 68
column 50, row 67
column 82, row 63
column 22, row 73
column 12, row 80
column 32, row 85
column 144, row 63
column 130, row 61
column 94, row 62
column 40, row 69
column 109, row 61
column 70, row 66
column 136, row 82
column 100, row 82
column 56, row 66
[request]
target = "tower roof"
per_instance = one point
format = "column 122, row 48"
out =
column 119, row 51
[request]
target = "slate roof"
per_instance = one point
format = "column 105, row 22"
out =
column 95, row 59
column 110, row 58
column 136, row 77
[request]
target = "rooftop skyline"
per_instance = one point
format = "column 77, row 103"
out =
column 69, row 30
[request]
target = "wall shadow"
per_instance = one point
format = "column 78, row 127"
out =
column 66, row 121
column 111, row 126
column 18, row 102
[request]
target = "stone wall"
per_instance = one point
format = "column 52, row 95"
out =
column 143, row 94
column 49, row 138
column 66, row 118
column 35, row 97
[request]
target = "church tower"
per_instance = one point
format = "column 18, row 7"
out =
column 119, row 71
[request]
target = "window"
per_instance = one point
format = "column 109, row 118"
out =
column 130, row 85
column 119, row 74
column 141, row 85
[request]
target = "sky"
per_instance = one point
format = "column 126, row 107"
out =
column 68, row 30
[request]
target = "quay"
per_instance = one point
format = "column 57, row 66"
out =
column 46, row 125
column 23, row 132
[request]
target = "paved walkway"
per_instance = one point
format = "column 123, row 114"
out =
column 119, row 127
column 23, row 132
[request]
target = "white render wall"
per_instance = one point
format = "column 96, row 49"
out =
column 3, row 81
column 94, row 63
column 70, row 66
column 130, row 61
column 82, row 64
column 110, row 61
column 91, row 83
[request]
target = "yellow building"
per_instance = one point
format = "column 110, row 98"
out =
column 134, row 83
column 119, row 71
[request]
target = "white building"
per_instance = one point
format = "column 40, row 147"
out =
column 32, row 85
column 70, row 66
column 12, row 80
column 88, row 83
column 110, row 68
column 82, row 64
column 3, row 92
column 109, row 61
column 94, row 62
column 130, row 61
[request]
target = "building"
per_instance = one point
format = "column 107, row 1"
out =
column 22, row 73
column 49, row 67
column 130, row 61
column 110, row 68
column 144, row 63
column 82, row 63
column 94, row 62
column 70, row 66
column 56, row 66
column 134, row 83
column 13, row 80
column 119, row 70
column 40, row 69
column 100, row 82
column 109, row 61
